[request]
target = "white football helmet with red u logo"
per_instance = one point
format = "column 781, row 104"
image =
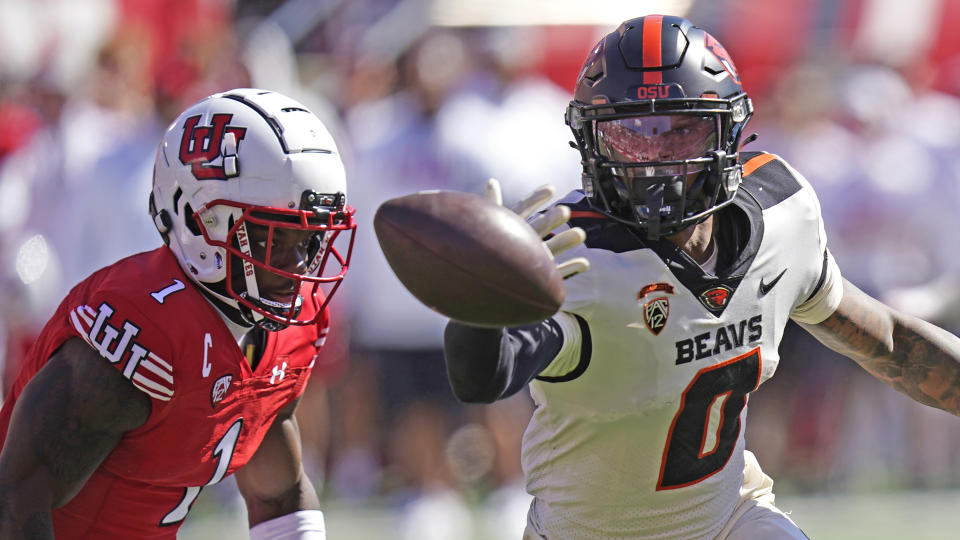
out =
column 239, row 174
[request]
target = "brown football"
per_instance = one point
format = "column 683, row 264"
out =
column 469, row 259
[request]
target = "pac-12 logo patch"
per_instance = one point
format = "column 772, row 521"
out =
column 200, row 147
column 716, row 298
column 655, row 311
column 220, row 387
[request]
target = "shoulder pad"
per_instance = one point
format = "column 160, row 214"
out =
column 128, row 339
column 768, row 179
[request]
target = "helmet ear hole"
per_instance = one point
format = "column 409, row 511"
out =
column 190, row 220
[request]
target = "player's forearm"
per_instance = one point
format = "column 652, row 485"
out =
column 924, row 364
column 24, row 513
column 300, row 496
column 273, row 482
column 487, row 364
column 911, row 355
column 477, row 365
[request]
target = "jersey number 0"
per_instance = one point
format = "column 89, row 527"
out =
column 705, row 430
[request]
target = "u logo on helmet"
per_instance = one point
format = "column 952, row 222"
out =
column 200, row 146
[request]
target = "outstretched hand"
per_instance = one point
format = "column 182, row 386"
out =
column 545, row 223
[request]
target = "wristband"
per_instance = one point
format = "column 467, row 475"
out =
column 300, row 525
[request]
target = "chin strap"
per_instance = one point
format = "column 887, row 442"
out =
column 249, row 276
column 223, row 303
column 278, row 308
column 252, row 294
column 749, row 139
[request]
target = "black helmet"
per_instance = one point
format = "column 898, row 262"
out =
column 658, row 114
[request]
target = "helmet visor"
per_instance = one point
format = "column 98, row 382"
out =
column 657, row 138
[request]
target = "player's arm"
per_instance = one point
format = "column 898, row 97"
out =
column 487, row 364
column 69, row 417
column 911, row 355
column 281, row 501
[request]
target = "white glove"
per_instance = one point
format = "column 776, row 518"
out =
column 544, row 223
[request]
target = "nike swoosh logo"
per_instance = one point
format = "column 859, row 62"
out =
column 765, row 287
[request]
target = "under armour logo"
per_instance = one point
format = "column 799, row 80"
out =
column 201, row 145
column 278, row 373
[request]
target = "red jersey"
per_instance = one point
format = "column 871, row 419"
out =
column 209, row 412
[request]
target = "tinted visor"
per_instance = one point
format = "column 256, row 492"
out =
column 657, row 138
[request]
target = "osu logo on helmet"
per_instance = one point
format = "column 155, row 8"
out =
column 200, row 146
column 722, row 55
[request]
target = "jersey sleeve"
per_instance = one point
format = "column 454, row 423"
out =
column 487, row 364
column 825, row 297
column 570, row 357
column 825, row 290
column 128, row 335
column 581, row 289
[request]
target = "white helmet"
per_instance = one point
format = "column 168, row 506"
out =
column 237, row 174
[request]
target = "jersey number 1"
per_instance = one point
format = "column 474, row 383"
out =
column 224, row 453
column 705, row 430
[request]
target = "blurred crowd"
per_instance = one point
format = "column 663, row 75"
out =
column 864, row 106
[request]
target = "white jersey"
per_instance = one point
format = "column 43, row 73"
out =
column 638, row 426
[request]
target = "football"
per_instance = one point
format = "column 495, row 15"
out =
column 469, row 259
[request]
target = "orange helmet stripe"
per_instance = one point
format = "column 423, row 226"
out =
column 652, row 50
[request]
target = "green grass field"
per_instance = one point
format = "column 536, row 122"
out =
column 920, row 515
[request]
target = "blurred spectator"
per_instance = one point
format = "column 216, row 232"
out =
column 396, row 341
column 508, row 119
column 86, row 86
